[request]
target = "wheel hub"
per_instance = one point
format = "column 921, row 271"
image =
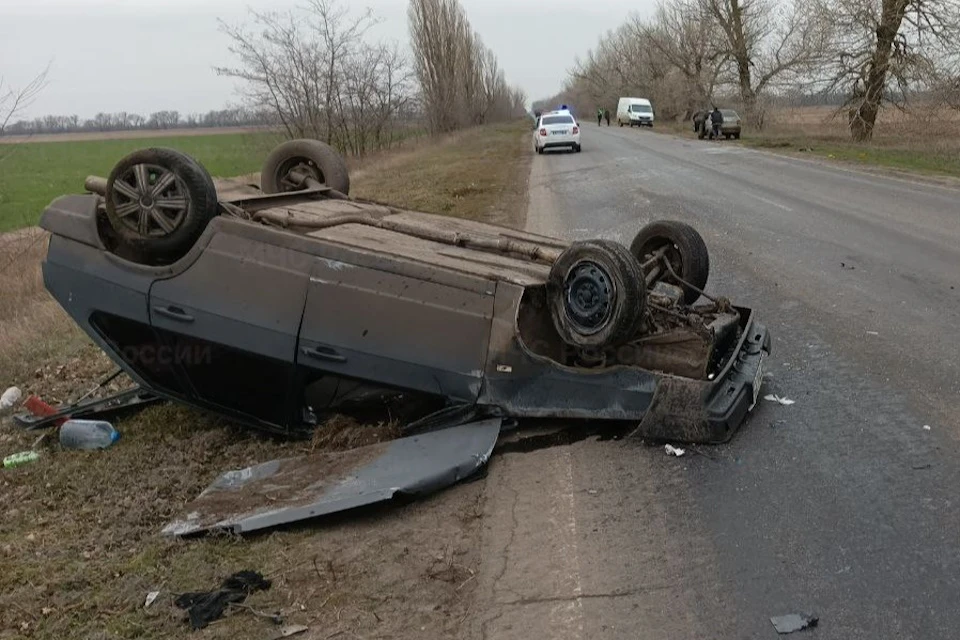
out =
column 588, row 297
column 150, row 200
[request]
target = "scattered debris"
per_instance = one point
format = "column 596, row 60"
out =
column 793, row 622
column 291, row 630
column 848, row 267
column 784, row 401
column 926, row 427
column 87, row 434
column 206, row 606
column 41, row 415
column 674, row 451
column 40, row 409
column 151, row 598
column 17, row 459
column 920, row 467
column 10, row 398
column 873, row 333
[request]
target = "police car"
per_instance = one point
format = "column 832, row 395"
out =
column 557, row 130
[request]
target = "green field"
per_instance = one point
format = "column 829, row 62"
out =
column 34, row 173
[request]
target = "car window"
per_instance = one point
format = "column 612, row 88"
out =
column 729, row 113
column 640, row 108
column 557, row 120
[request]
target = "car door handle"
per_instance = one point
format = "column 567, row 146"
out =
column 323, row 353
column 174, row 313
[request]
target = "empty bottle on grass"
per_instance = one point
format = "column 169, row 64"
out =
column 87, row 434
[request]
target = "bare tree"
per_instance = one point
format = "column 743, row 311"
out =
column 314, row 70
column 692, row 42
column 769, row 43
column 13, row 100
column 887, row 49
column 460, row 80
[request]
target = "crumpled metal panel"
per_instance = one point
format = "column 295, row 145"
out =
column 293, row 489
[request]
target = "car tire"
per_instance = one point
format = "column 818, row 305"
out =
column 688, row 256
column 736, row 136
column 576, row 148
column 597, row 294
column 172, row 196
column 312, row 157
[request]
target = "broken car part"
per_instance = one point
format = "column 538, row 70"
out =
column 294, row 489
column 114, row 406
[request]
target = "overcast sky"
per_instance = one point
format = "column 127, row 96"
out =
column 142, row 56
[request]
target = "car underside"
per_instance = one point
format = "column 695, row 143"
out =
column 288, row 300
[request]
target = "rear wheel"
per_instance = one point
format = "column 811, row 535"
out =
column 685, row 251
column 158, row 202
column 290, row 163
column 597, row 294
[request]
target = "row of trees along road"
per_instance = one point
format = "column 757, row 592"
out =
column 689, row 52
column 318, row 71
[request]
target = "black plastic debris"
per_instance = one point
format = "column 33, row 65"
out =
column 206, row 606
column 793, row 622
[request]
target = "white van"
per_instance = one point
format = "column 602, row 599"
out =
column 635, row 112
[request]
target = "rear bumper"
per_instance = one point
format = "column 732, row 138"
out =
column 693, row 412
column 566, row 143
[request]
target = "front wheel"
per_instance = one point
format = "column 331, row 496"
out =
column 597, row 294
column 158, row 202
column 289, row 165
column 576, row 148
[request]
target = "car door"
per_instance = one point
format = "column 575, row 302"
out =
column 230, row 321
column 105, row 295
column 397, row 330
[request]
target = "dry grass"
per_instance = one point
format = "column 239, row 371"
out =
column 79, row 536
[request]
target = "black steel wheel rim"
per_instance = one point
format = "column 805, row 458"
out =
column 302, row 166
column 589, row 297
column 150, row 200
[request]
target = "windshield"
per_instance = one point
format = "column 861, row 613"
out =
column 641, row 108
column 730, row 114
column 557, row 120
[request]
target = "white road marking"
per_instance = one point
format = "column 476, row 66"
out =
column 770, row 202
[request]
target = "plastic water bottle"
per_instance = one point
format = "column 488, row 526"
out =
column 87, row 434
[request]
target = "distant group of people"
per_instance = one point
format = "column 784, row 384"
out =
column 603, row 114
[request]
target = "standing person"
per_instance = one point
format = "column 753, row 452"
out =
column 599, row 115
column 716, row 122
column 606, row 116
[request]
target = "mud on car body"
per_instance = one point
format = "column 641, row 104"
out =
column 277, row 302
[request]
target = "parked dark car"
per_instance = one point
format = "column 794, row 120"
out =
column 276, row 302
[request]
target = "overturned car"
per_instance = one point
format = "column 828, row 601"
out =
column 278, row 302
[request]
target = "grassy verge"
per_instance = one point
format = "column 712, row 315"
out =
column 917, row 155
column 932, row 150
column 79, row 531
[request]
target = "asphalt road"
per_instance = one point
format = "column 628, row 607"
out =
column 843, row 505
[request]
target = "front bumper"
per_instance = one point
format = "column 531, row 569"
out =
column 642, row 122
